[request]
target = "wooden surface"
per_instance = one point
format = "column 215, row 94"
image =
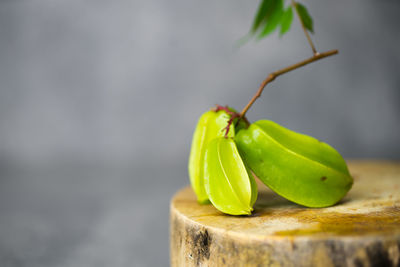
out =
column 362, row 230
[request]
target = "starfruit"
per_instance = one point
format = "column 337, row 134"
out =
column 296, row 166
column 210, row 125
column 230, row 187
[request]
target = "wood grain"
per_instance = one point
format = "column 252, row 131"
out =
column 362, row 230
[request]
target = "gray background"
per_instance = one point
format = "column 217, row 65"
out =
column 99, row 99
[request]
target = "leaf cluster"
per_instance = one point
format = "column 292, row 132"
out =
column 274, row 15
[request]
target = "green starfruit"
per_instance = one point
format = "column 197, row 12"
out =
column 210, row 125
column 296, row 166
column 230, row 186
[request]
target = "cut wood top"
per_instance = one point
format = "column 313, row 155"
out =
column 371, row 208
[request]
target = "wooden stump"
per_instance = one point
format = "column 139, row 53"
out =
column 362, row 230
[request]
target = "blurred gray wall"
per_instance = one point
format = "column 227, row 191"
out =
column 99, row 99
column 126, row 80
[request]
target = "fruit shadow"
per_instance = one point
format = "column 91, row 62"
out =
column 270, row 199
column 269, row 202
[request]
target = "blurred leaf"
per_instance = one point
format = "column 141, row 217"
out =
column 305, row 17
column 286, row 20
column 263, row 10
column 272, row 18
column 272, row 14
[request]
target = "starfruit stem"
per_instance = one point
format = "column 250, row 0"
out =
column 230, row 121
column 226, row 109
column 310, row 42
column 233, row 115
column 272, row 76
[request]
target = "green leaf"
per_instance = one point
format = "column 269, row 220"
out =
column 263, row 10
column 305, row 17
column 286, row 20
column 272, row 18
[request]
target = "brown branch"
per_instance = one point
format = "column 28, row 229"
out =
column 304, row 29
column 230, row 121
column 233, row 115
column 272, row 76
